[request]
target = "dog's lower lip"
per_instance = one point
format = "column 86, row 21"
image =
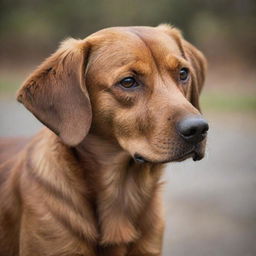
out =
column 139, row 159
column 197, row 156
column 186, row 155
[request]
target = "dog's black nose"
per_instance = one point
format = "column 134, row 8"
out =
column 193, row 129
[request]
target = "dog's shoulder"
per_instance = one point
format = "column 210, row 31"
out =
column 16, row 152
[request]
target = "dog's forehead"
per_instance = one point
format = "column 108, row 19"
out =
column 125, row 44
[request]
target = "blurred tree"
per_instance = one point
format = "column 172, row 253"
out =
column 32, row 28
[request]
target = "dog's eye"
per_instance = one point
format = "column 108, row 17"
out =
column 128, row 82
column 184, row 74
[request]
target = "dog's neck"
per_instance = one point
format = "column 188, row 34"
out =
column 102, row 152
column 124, row 188
column 112, row 192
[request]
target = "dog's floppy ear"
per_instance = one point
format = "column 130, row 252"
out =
column 56, row 92
column 196, row 59
column 199, row 64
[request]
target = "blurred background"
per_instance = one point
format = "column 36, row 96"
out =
column 211, row 204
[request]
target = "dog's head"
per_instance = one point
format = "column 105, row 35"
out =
column 135, row 86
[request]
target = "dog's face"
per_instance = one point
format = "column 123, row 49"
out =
column 137, row 86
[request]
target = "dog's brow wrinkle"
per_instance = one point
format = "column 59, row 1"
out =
column 172, row 61
column 152, row 55
column 147, row 46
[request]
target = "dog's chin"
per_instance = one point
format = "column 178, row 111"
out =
column 196, row 155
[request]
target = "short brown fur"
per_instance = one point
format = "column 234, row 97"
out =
column 74, row 188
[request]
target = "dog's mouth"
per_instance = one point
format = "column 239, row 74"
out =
column 195, row 154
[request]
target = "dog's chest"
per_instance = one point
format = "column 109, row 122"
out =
column 121, row 200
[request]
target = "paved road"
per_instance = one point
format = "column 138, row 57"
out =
column 211, row 204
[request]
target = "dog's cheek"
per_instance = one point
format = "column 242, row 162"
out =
column 103, row 114
column 133, row 122
column 124, row 124
column 123, row 100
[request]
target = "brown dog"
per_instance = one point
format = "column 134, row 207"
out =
column 118, row 105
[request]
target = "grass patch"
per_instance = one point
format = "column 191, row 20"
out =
column 228, row 102
column 9, row 86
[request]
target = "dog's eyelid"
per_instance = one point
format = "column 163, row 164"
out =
column 130, row 73
column 129, row 83
column 184, row 75
column 137, row 72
